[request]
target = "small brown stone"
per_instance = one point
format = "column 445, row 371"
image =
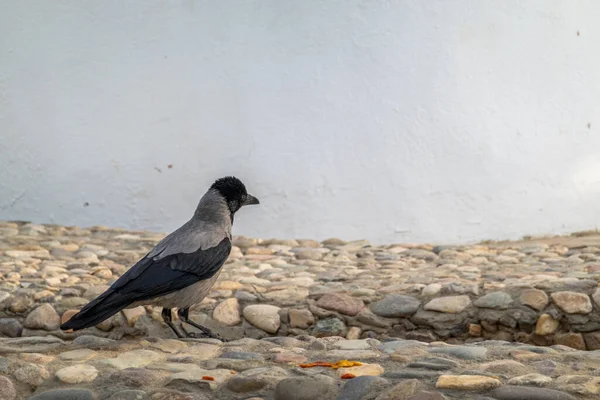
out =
column 542, row 340
column 502, row 335
column 489, row 327
column 301, row 318
column 289, row 357
column 67, row 315
column 341, row 303
column 474, row 330
column 524, row 355
column 592, row 340
column 573, row 340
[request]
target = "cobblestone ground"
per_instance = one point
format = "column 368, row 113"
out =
column 308, row 320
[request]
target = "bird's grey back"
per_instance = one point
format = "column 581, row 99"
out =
column 208, row 227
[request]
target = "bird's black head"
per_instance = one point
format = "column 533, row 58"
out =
column 234, row 192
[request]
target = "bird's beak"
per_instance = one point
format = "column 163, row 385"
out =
column 250, row 200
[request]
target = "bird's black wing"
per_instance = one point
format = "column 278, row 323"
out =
column 150, row 278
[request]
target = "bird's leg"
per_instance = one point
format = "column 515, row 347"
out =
column 184, row 315
column 168, row 318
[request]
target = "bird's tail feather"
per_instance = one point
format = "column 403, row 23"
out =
column 102, row 307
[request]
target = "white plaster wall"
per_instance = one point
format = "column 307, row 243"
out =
column 437, row 120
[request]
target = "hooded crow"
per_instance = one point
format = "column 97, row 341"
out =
column 180, row 271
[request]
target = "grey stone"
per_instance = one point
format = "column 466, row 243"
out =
column 96, row 343
column 134, row 377
column 65, row 394
column 242, row 295
column 10, row 327
column 361, row 386
column 242, row 384
column 427, row 396
column 236, row 365
column 390, row 347
column 242, row 355
column 435, row 364
column 439, row 321
column 256, row 379
column 32, row 374
column 400, row 391
column 396, row 305
column 367, row 317
column 495, row 300
column 529, row 393
column 306, row 388
column 412, row 374
column 462, row 352
column 545, row 367
column 329, row 327
column 5, row 364
column 129, row 395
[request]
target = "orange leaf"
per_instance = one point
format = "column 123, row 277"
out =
column 348, row 376
column 346, row 364
column 208, row 378
column 317, row 364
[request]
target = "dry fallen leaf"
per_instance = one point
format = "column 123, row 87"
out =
column 348, row 376
column 346, row 364
column 339, row 364
column 317, row 364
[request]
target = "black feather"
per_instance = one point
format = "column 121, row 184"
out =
column 150, row 278
column 231, row 188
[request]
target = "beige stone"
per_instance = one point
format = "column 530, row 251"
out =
column 353, row 333
column 80, row 373
column 301, row 318
column 530, row 380
column 228, row 312
column 133, row 314
column 467, row 382
column 263, row 316
column 534, row 298
column 546, row 325
column 449, row 304
column 362, row 370
column 572, row 302
column 43, row 317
